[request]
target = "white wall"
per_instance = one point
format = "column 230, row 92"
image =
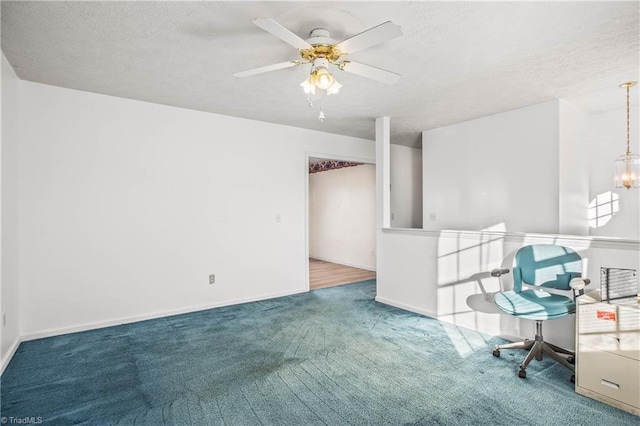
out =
column 406, row 187
column 10, row 246
column 535, row 169
column 607, row 138
column 500, row 170
column 342, row 216
column 127, row 207
column 573, row 179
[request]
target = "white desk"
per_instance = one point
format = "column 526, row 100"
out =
column 608, row 351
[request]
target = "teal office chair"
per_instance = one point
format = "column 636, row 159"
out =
column 541, row 267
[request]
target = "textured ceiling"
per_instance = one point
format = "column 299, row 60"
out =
column 458, row 60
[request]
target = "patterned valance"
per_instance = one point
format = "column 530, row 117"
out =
column 324, row 166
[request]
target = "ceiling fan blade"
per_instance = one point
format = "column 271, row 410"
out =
column 271, row 26
column 376, row 35
column 266, row 68
column 368, row 71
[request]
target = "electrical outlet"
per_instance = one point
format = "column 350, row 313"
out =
column 212, row 279
column 4, row 319
column 432, row 216
column 278, row 218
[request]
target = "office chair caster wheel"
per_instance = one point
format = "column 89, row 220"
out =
column 573, row 378
column 522, row 374
column 496, row 352
column 571, row 359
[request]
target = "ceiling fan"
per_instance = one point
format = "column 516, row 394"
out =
column 321, row 51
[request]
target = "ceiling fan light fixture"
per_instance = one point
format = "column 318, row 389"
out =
column 627, row 166
column 308, row 85
column 320, row 75
column 335, row 88
column 323, row 78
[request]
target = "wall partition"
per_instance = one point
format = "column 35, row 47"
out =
column 541, row 174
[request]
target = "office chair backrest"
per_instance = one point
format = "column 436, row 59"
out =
column 546, row 265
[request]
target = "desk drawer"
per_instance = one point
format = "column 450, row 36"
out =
column 610, row 375
column 605, row 318
column 610, row 328
column 626, row 344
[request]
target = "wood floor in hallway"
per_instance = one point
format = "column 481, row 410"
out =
column 325, row 274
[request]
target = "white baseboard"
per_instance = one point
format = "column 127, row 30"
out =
column 12, row 350
column 406, row 307
column 339, row 262
column 145, row 317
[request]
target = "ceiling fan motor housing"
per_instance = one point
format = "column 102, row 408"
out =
column 323, row 47
column 320, row 36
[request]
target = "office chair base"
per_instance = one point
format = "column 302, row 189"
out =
column 537, row 348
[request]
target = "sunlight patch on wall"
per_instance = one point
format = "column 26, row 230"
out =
column 463, row 255
column 603, row 208
column 465, row 286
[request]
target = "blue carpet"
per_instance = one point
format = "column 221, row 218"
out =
column 327, row 357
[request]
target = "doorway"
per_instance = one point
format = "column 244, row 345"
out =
column 341, row 221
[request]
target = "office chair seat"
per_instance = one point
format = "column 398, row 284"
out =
column 535, row 304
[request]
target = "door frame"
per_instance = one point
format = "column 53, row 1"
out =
column 326, row 156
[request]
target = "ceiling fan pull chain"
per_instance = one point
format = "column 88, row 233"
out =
column 321, row 117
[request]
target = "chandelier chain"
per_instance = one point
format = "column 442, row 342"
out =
column 628, row 149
